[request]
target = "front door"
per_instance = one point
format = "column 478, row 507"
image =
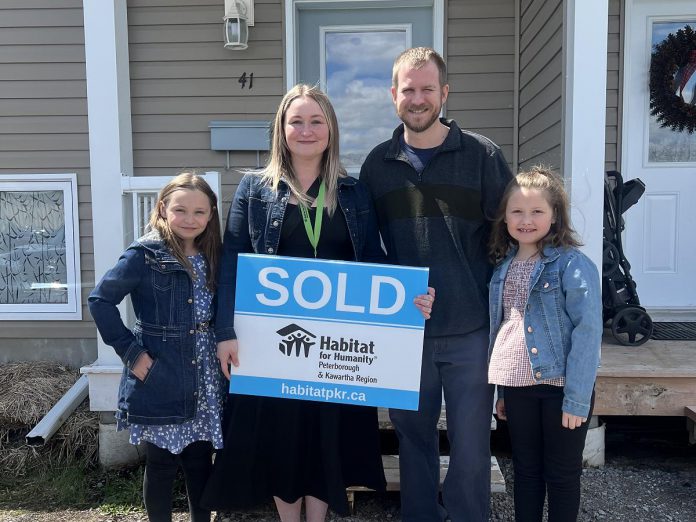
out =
column 660, row 242
column 348, row 48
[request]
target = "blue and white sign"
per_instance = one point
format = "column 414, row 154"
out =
column 331, row 331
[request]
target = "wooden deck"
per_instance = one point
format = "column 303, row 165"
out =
column 657, row 378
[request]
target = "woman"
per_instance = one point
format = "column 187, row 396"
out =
column 293, row 450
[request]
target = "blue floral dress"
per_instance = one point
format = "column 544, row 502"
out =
column 206, row 425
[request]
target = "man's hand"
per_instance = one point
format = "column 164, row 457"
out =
column 228, row 352
column 424, row 302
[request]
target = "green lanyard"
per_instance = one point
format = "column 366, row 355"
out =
column 314, row 234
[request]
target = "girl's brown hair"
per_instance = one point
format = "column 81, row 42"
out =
column 550, row 185
column 280, row 161
column 209, row 242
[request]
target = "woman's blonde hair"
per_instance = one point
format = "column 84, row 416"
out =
column 551, row 186
column 279, row 165
column 209, row 242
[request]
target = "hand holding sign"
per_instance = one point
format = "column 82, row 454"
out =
column 228, row 353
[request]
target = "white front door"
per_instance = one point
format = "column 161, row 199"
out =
column 660, row 241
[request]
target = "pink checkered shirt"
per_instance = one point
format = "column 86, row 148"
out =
column 510, row 365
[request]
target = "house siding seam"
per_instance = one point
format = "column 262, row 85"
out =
column 181, row 78
column 541, row 83
column 480, row 54
column 43, row 129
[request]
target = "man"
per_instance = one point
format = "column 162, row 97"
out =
column 436, row 189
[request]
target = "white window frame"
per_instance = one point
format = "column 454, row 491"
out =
column 72, row 310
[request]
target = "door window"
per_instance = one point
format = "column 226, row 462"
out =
column 348, row 48
column 664, row 144
column 359, row 88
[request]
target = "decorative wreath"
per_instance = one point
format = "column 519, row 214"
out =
column 673, row 64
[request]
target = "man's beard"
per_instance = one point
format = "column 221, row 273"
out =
column 421, row 127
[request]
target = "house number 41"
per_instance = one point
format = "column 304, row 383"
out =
column 244, row 78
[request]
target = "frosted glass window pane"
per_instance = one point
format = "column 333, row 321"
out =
column 32, row 248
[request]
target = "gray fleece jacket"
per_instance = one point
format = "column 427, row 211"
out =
column 441, row 219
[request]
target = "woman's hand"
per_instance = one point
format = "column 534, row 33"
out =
column 424, row 302
column 500, row 409
column 142, row 366
column 572, row 421
column 228, row 352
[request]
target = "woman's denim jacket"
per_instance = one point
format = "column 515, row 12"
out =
column 562, row 322
column 161, row 292
column 254, row 223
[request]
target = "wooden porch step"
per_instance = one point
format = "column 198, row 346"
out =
column 385, row 423
column 658, row 378
column 690, row 414
column 391, row 472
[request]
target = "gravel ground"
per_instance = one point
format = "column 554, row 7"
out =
column 650, row 475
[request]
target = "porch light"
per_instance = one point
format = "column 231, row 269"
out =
column 238, row 18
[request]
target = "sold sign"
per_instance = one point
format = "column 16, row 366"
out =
column 333, row 331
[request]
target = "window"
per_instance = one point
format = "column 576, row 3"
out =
column 358, row 87
column 39, row 247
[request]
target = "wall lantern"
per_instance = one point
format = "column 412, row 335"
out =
column 239, row 15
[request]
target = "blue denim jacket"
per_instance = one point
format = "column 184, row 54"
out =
column 161, row 292
column 562, row 321
column 254, row 223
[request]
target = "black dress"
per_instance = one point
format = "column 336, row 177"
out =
column 290, row 448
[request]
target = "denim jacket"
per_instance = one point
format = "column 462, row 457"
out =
column 161, row 292
column 562, row 322
column 254, row 223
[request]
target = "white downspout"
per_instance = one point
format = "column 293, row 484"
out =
column 55, row 418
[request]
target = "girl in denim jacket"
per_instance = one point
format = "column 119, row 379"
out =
column 546, row 328
column 171, row 390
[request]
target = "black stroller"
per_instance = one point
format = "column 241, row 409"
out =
column 630, row 323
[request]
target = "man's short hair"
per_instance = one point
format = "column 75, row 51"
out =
column 417, row 57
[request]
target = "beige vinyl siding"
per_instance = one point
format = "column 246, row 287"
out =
column 43, row 129
column 541, row 83
column 480, row 53
column 614, row 99
column 182, row 78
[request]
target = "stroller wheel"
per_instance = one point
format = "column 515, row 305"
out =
column 610, row 258
column 632, row 326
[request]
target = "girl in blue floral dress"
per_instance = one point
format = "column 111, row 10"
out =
column 172, row 389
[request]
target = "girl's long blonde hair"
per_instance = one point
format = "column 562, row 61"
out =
column 551, row 186
column 279, row 165
column 209, row 242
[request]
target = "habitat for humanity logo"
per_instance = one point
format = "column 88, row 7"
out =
column 295, row 339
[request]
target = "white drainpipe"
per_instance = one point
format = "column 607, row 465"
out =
column 53, row 420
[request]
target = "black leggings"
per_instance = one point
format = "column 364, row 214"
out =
column 160, row 470
column 547, row 458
